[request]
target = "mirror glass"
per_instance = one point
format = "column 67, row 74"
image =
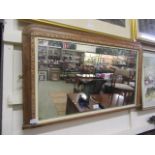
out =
column 73, row 77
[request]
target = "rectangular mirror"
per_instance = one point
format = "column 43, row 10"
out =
column 75, row 77
column 67, row 77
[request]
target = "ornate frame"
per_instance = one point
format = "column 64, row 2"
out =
column 28, row 57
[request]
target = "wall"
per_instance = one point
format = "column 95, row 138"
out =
column 125, row 122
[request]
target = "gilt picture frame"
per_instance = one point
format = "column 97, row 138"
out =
column 33, row 32
column 97, row 26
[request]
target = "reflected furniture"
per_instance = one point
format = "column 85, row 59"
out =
column 72, row 105
column 103, row 99
column 91, row 84
column 120, row 84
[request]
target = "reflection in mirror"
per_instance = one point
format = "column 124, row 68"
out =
column 76, row 78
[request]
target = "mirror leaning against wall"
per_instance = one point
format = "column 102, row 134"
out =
column 72, row 78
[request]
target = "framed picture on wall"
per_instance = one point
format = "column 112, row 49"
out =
column 146, row 30
column 111, row 27
column 114, row 27
column 148, row 80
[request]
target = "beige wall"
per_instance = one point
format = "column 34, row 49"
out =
column 125, row 122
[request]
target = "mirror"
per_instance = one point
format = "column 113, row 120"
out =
column 76, row 78
column 69, row 75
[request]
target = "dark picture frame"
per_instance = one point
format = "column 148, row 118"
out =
column 1, row 70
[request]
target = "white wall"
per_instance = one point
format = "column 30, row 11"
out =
column 125, row 122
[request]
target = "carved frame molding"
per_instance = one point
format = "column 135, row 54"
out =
column 28, row 58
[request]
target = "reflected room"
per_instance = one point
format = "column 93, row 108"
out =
column 76, row 77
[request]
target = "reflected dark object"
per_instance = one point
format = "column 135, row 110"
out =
column 152, row 120
column 101, row 106
column 83, row 100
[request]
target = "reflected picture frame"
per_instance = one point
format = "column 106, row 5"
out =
column 43, row 75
